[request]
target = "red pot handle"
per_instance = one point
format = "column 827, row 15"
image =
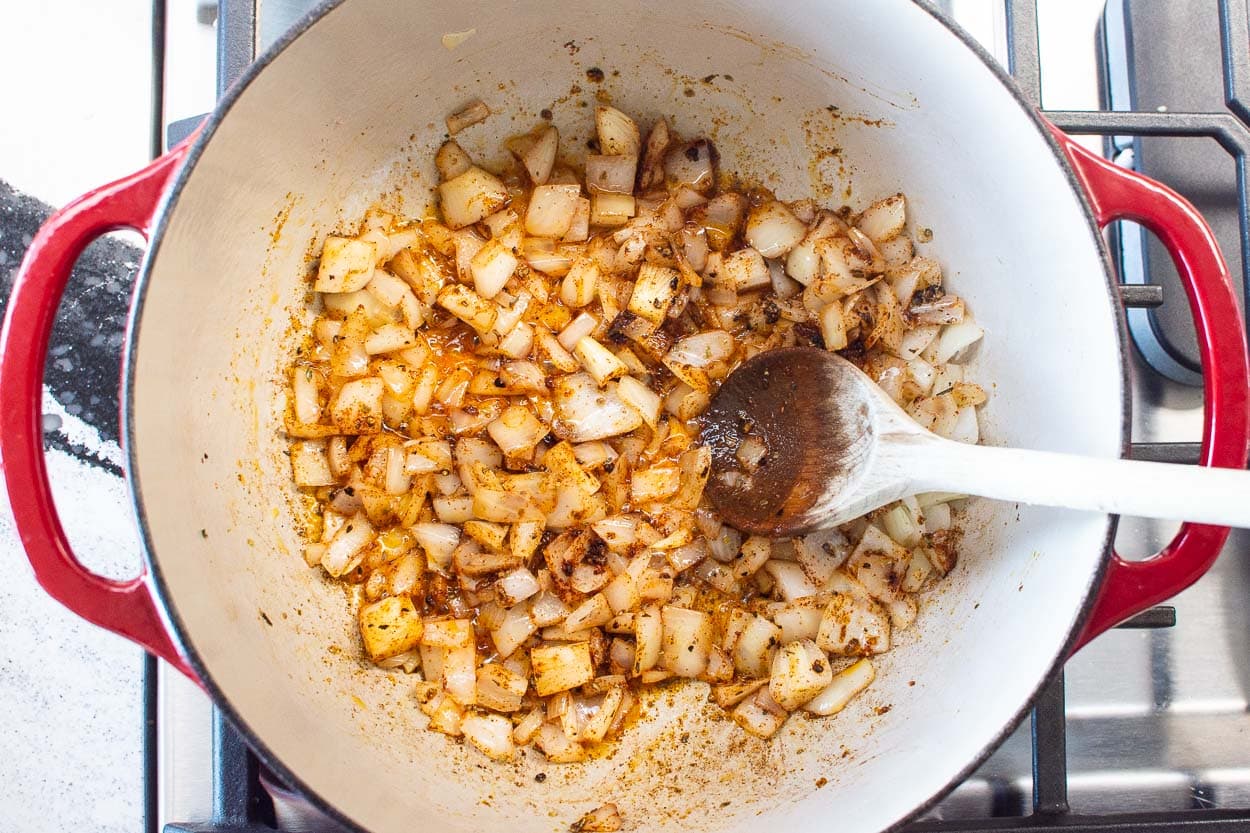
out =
column 1116, row 193
column 124, row 607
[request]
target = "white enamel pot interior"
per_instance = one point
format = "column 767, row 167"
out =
column 349, row 111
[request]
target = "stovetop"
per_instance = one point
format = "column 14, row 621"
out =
column 1148, row 726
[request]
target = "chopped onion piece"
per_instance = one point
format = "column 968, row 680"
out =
column 773, row 230
column 358, row 407
column 492, row 266
column 518, row 625
column 438, row 541
column 648, row 639
column 346, row 265
column 310, row 467
column 472, row 113
column 561, row 667
column 641, row 398
column 591, row 613
column 579, row 285
column 845, row 685
column 451, row 160
column 953, row 343
column 760, row 715
column 490, row 733
column 654, row 292
column 687, row 641
column 703, row 349
column 470, row 197
column 540, row 157
column 587, row 412
column 610, row 174
column 598, row 361
column 791, row 581
column 577, row 329
column 555, row 744
column 551, row 210
column 389, row 627
column 854, row 627
column 692, row 165
column 618, row 133
column 884, row 219
column 803, row 262
column 469, row 307
column 753, row 650
column 745, row 270
column 516, row 431
column 949, row 309
column 611, row 209
column 800, row 671
column 529, row 726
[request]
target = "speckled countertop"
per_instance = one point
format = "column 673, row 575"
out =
column 72, row 724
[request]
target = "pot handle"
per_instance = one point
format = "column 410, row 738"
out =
column 125, row 607
column 1116, row 193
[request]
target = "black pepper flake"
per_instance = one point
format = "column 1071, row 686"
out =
column 594, row 75
column 265, row 616
column 540, row 777
column 500, row 383
column 692, row 153
column 818, row 667
column 545, row 114
column 203, row 533
column 708, row 79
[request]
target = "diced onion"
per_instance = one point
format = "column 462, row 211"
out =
column 792, row 582
column 551, row 210
column 587, row 412
column 618, row 133
column 610, row 174
column 703, row 349
column 472, row 113
column 845, row 685
column 540, row 157
column 800, row 671
column 577, row 329
column 954, row 342
column 692, row 165
column 773, row 230
column 687, row 640
column 469, row 197
column 884, row 219
column 497, row 425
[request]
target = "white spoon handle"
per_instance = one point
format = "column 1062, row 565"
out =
column 1119, row 487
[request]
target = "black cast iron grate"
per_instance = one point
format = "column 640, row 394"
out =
column 240, row 802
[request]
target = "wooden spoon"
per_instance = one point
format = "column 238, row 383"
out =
column 836, row 446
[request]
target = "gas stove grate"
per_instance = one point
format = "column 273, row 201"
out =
column 240, row 803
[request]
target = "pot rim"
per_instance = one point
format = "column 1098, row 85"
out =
column 157, row 578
